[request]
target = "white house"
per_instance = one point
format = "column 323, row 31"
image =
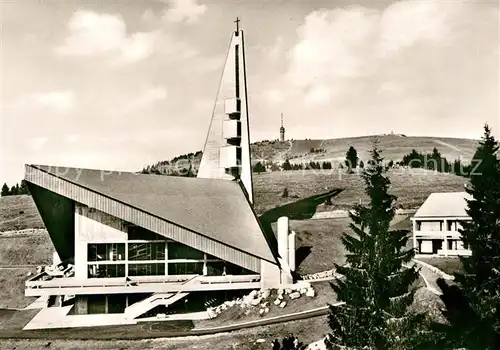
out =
column 436, row 224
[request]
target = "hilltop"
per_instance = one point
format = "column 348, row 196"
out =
column 394, row 147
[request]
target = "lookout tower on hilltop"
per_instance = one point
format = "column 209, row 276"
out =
column 282, row 130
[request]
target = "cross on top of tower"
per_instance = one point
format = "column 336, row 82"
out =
column 281, row 119
column 237, row 24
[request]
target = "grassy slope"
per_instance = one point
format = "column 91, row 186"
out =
column 18, row 213
column 26, row 249
column 412, row 186
column 12, row 288
column 449, row 265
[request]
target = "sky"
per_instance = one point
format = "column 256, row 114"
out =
column 118, row 84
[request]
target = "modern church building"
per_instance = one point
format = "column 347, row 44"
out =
column 141, row 244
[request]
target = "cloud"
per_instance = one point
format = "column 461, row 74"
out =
column 183, row 11
column 320, row 94
column 37, row 143
column 333, row 44
column 145, row 98
column 274, row 96
column 92, row 34
column 413, row 64
column 274, row 51
column 59, row 100
column 405, row 24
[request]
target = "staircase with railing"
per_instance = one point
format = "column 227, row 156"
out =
column 157, row 299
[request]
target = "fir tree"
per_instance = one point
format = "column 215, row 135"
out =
column 286, row 165
column 23, row 189
column 480, row 281
column 259, row 168
column 351, row 158
column 5, row 190
column 375, row 287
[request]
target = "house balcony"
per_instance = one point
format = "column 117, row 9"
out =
column 437, row 234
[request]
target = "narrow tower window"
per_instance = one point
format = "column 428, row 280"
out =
column 237, row 70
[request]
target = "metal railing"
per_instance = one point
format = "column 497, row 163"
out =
column 72, row 282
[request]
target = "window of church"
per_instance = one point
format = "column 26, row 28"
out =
column 181, row 251
column 220, row 268
column 106, row 252
column 185, row 268
column 106, row 270
column 146, row 269
column 146, row 251
column 142, row 234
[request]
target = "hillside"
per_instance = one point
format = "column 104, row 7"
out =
column 19, row 213
column 299, row 151
column 411, row 186
column 394, row 148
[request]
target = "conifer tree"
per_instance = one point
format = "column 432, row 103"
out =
column 5, row 190
column 351, row 158
column 480, row 281
column 23, row 189
column 376, row 289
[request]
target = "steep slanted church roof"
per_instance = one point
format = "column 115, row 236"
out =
column 216, row 209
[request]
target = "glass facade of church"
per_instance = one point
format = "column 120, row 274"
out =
column 148, row 254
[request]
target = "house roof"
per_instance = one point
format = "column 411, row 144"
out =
column 449, row 204
column 217, row 209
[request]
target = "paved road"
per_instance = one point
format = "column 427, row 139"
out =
column 149, row 330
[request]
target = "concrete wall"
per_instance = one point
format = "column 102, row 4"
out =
column 270, row 275
column 92, row 226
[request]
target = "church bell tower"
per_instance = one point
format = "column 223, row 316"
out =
column 226, row 154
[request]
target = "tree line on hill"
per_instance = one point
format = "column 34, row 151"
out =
column 351, row 162
column 415, row 159
column 178, row 166
column 15, row 190
column 184, row 165
column 435, row 161
column 377, row 286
